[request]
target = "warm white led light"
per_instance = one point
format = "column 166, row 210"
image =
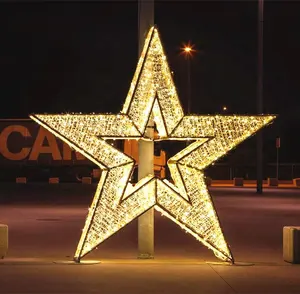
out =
column 187, row 201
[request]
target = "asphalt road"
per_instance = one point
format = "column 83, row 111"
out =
column 45, row 223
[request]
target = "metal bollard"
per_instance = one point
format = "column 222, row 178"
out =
column 296, row 182
column 291, row 244
column 3, row 240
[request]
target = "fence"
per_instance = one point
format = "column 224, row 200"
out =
column 286, row 171
column 218, row 171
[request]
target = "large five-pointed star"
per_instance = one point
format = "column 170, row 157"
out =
column 187, row 201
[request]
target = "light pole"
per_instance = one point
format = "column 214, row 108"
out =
column 188, row 50
column 259, row 163
column 146, row 148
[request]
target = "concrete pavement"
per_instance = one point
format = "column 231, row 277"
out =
column 45, row 225
column 141, row 277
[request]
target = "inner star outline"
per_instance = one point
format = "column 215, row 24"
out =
column 187, row 201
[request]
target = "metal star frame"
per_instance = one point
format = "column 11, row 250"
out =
column 187, row 202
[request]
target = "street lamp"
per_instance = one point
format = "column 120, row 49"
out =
column 187, row 50
column 259, row 146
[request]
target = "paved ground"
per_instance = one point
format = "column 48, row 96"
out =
column 45, row 223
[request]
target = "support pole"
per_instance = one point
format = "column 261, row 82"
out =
column 189, row 101
column 189, row 104
column 277, row 165
column 259, row 183
column 146, row 148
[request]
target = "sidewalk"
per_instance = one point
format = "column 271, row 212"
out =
column 135, row 276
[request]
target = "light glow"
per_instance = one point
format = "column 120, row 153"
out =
column 188, row 50
column 187, row 202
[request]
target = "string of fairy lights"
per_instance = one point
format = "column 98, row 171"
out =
column 186, row 201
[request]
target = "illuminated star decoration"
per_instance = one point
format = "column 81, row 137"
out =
column 187, row 202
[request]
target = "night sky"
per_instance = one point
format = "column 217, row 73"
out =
column 80, row 57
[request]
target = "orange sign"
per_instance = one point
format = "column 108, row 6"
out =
column 44, row 143
column 27, row 141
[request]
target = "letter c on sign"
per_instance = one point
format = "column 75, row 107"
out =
column 3, row 142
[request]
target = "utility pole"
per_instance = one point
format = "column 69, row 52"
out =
column 277, row 157
column 146, row 148
column 259, row 183
column 189, row 85
column 188, row 50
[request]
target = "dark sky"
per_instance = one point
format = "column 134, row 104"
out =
column 80, row 57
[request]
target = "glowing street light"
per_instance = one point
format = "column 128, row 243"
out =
column 187, row 50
